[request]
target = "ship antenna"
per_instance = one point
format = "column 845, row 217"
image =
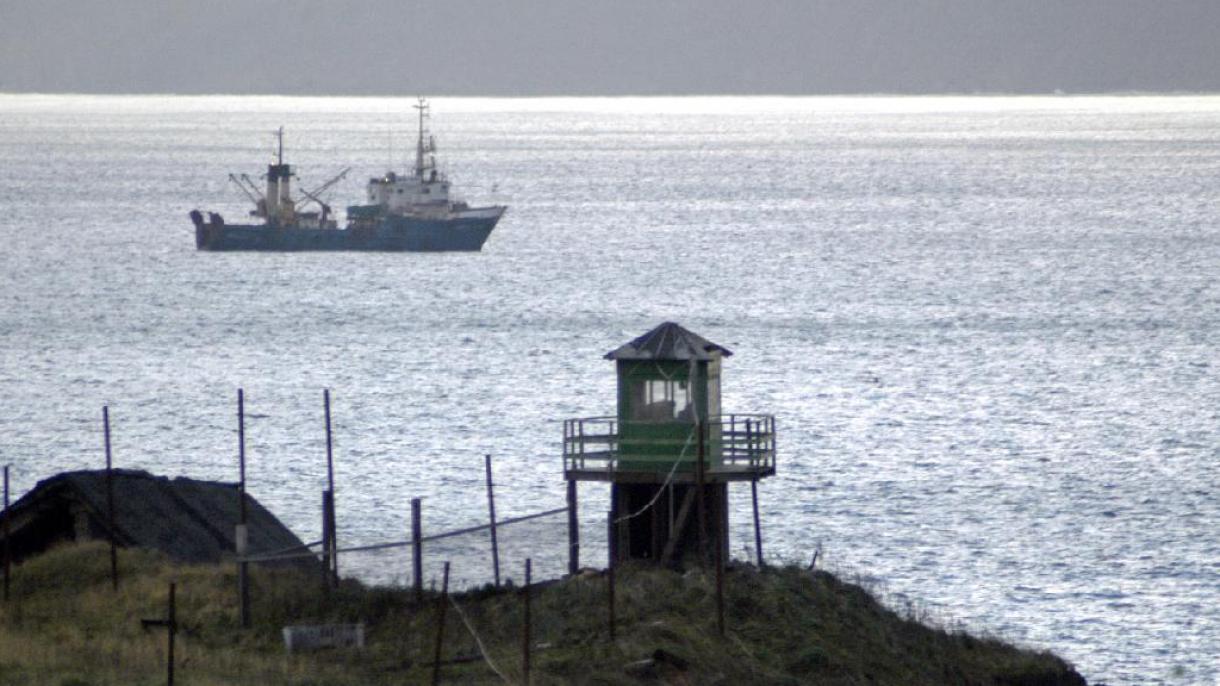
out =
column 422, row 106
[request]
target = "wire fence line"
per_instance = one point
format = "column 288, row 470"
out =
column 285, row 553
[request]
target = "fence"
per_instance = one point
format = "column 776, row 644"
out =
column 743, row 443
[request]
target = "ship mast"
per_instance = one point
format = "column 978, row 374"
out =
column 424, row 145
column 279, row 207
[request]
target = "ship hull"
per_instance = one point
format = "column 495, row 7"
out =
column 390, row 234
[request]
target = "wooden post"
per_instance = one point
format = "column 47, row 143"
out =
column 701, row 496
column 328, row 533
column 330, row 486
column 758, row 550
column 417, row 555
column 170, row 622
column 173, row 629
column 611, row 533
column 676, row 531
column 8, row 535
column 491, row 507
column 241, row 538
column 720, row 536
column 114, row 553
column 525, row 635
column 573, row 530
column 610, row 573
column 442, row 605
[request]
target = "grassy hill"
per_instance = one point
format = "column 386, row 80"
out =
column 64, row 626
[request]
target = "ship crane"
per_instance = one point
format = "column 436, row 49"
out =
column 251, row 191
column 313, row 195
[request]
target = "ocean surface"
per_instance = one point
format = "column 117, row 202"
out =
column 987, row 327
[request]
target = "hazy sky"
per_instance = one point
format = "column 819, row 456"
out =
column 540, row 47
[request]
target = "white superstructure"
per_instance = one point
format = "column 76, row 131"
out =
column 426, row 191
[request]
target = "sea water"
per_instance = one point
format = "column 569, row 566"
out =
column 987, row 328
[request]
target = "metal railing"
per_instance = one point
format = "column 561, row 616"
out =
column 733, row 443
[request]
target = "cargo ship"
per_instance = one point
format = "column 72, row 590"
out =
column 409, row 212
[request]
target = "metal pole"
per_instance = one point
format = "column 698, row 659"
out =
column 757, row 527
column 114, row 554
column 241, row 456
column 243, row 568
column 442, row 605
column 328, row 505
column 573, row 530
column 525, row 636
column 417, row 554
column 330, row 485
column 8, row 534
column 491, row 506
column 173, row 629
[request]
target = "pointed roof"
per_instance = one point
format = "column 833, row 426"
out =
column 669, row 341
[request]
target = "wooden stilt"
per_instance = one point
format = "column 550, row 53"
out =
column 675, row 533
column 573, row 530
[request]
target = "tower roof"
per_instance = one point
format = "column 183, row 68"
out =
column 669, row 341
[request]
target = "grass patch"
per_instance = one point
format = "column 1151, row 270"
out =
column 65, row 626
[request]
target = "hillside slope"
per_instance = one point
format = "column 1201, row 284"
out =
column 65, row 626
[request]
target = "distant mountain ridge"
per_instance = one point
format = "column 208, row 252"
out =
column 584, row 47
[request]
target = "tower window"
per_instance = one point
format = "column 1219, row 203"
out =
column 661, row 400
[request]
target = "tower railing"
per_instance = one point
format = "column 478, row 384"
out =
column 735, row 446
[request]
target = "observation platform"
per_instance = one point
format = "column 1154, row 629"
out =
column 737, row 447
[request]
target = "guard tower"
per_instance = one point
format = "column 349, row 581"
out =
column 669, row 453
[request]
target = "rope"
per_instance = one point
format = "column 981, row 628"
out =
column 690, row 380
column 672, row 470
column 478, row 641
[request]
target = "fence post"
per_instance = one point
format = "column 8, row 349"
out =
column 114, row 555
column 173, row 629
column 417, row 555
column 333, row 569
column 573, row 530
column 525, row 636
column 443, row 603
column 241, row 537
column 8, row 535
column 491, row 506
column 328, row 540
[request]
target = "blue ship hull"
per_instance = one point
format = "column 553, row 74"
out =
column 390, row 234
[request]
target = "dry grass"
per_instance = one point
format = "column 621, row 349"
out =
column 66, row 627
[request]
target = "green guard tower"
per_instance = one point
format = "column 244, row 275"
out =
column 669, row 453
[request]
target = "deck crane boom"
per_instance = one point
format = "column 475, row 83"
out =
column 326, row 186
column 254, row 197
column 313, row 195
